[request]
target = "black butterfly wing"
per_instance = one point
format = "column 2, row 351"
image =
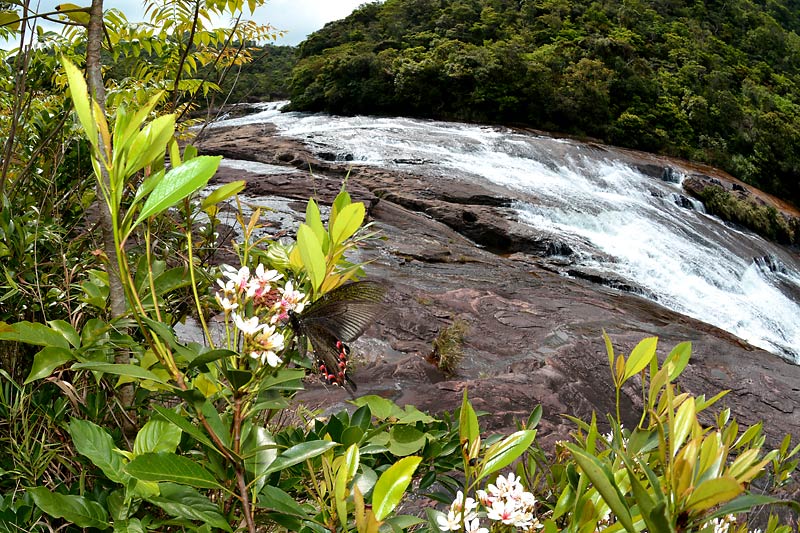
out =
column 347, row 311
column 339, row 316
column 331, row 355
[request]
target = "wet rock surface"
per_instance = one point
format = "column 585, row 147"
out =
column 452, row 251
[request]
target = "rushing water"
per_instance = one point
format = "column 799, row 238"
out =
column 613, row 217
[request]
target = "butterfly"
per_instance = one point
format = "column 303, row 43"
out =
column 337, row 317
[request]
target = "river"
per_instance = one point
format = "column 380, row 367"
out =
column 612, row 217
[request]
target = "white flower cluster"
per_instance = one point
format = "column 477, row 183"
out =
column 271, row 303
column 505, row 502
column 722, row 524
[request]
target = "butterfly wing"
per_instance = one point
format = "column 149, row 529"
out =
column 339, row 316
column 331, row 356
column 347, row 311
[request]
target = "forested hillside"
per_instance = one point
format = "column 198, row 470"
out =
column 710, row 81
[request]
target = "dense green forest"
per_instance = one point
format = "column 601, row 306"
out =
column 710, row 81
column 266, row 77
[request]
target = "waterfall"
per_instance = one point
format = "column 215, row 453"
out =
column 613, row 218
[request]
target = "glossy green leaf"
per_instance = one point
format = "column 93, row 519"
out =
column 33, row 333
column 347, row 222
column 157, row 436
column 149, row 144
column 46, row 360
column 132, row 371
column 314, row 221
column 274, row 498
column 209, row 357
column 685, row 419
column 223, row 193
column 185, row 425
column 80, row 99
column 609, row 349
column 259, row 451
column 341, row 201
column 171, row 467
column 503, row 453
column 299, row 453
column 405, row 440
column 67, row 331
column 679, row 358
column 640, row 357
column 185, row 502
column 347, row 470
column 604, row 482
column 9, row 20
column 468, row 428
column 74, row 509
column 94, row 443
column 392, row 485
column 713, row 492
column 311, row 253
column 747, row 502
column 179, row 183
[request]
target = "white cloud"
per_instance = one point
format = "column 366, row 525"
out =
column 297, row 18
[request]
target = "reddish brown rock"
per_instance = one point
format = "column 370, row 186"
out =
column 534, row 335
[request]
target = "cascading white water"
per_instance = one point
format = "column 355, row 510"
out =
column 614, row 217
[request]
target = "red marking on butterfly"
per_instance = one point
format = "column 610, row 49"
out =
column 339, row 316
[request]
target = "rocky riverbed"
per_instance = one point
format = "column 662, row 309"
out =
column 533, row 335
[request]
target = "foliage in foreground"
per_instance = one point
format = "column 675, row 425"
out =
column 209, row 442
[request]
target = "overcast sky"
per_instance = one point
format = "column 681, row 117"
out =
column 297, row 17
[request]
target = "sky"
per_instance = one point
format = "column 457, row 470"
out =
column 297, row 17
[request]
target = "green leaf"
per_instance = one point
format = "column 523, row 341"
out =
column 274, row 498
column 80, row 98
column 609, row 350
column 149, row 144
column 747, row 502
column 186, row 426
column 380, row 408
column 132, row 371
column 405, row 440
column 47, row 360
column 75, row 509
column 347, row 469
column 341, row 201
column 679, row 357
column 311, row 253
column 685, row 419
column 713, row 492
column 185, row 502
column 33, row 333
column 604, row 482
column 171, row 467
column 503, row 453
column 314, row 221
column 209, row 357
column 67, row 331
column 299, row 453
column 468, row 428
column 259, row 451
column 347, row 222
column 391, row 485
column 94, row 443
column 157, row 436
column 640, row 357
column 179, row 183
column 223, row 193
column 129, row 525
column 9, row 20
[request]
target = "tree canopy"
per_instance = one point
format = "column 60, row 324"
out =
column 711, row 81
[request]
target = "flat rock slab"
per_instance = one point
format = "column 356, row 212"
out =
column 533, row 336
